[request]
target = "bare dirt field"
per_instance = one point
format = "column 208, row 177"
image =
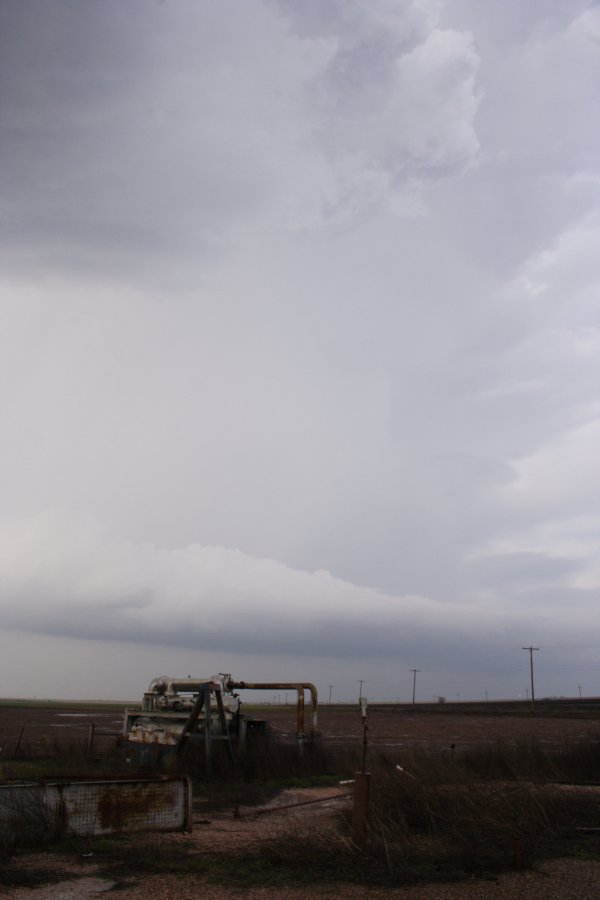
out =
column 437, row 726
column 36, row 728
column 41, row 728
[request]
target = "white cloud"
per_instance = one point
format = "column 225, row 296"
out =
column 62, row 576
column 587, row 24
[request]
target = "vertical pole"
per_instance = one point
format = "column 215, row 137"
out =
column 19, row 739
column 330, row 690
column 361, row 681
column 300, row 719
column 207, row 731
column 360, row 808
column 530, row 651
column 188, row 805
column 90, row 740
column 414, row 671
column 223, row 723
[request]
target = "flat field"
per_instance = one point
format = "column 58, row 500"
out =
column 37, row 727
column 461, row 724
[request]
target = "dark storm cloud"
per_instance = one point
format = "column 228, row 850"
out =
column 300, row 325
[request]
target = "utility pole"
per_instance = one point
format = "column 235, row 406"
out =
column 414, row 671
column 579, row 686
column 530, row 651
column 361, row 681
column 330, row 690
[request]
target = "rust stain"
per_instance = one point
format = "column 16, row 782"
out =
column 117, row 807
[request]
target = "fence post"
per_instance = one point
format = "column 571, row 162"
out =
column 19, row 739
column 90, row 740
column 360, row 809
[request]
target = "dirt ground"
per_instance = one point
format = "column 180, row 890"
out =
column 80, row 876
column 46, row 727
column 41, row 729
column 404, row 726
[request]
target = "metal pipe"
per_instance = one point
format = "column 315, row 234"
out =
column 187, row 685
column 264, row 810
column 299, row 686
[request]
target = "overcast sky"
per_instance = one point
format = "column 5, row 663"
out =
column 300, row 344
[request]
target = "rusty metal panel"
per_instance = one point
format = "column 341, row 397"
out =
column 104, row 806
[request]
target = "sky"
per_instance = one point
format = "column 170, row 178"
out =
column 300, row 345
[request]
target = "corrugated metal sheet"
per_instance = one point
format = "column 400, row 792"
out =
column 98, row 806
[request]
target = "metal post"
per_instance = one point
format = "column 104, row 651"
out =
column 362, row 779
column 223, row 723
column 363, row 712
column 361, row 681
column 207, row 731
column 300, row 725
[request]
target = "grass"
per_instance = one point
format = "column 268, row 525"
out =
column 440, row 822
column 63, row 759
column 104, row 705
column 477, row 812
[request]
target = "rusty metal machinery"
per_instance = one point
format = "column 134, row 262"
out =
column 175, row 710
column 168, row 704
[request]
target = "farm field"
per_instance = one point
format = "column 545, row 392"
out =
column 35, row 727
column 435, row 726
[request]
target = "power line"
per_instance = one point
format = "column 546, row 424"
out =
column 530, row 651
column 414, row 671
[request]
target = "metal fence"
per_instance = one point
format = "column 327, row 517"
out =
column 96, row 806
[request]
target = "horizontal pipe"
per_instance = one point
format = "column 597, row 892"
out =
column 264, row 810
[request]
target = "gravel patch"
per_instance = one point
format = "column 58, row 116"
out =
column 561, row 879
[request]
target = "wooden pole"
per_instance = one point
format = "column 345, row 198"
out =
column 360, row 809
